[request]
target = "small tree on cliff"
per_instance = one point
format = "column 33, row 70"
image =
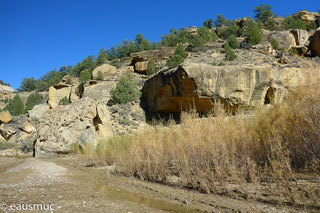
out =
column 178, row 57
column 16, row 106
column 126, row 90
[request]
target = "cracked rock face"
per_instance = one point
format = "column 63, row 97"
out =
column 201, row 85
column 63, row 126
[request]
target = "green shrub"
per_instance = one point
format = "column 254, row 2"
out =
column 151, row 67
column 33, row 100
column 85, row 76
column 208, row 23
column 100, row 76
column 126, row 90
column 231, row 29
column 264, row 16
column 275, row 44
column 253, row 32
column 221, row 63
column 230, row 55
column 177, row 58
column 16, row 106
column 293, row 23
column 64, row 101
column 233, row 42
column 312, row 26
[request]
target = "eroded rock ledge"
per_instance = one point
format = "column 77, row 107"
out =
column 200, row 86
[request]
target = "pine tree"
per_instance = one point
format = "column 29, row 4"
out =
column 16, row 106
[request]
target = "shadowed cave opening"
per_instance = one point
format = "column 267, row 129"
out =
column 269, row 98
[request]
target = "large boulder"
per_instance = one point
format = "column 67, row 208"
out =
column 100, row 91
column 64, row 126
column 264, row 48
column 7, row 131
column 301, row 37
column 315, row 44
column 202, row 85
column 5, row 117
column 285, row 39
column 141, row 66
column 106, row 70
column 58, row 92
column 38, row 111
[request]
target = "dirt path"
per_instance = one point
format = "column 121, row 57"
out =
column 72, row 187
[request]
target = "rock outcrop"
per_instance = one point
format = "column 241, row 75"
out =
column 285, row 39
column 301, row 37
column 315, row 44
column 140, row 59
column 106, row 70
column 308, row 17
column 200, row 86
column 5, row 94
column 38, row 111
column 19, row 130
column 5, row 117
column 100, row 91
column 60, row 91
column 83, row 121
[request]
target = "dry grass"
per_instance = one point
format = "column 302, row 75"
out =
column 273, row 142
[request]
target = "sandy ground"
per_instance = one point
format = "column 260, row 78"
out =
column 71, row 186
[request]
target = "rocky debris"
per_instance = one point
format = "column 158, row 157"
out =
column 67, row 79
column 308, row 17
column 192, row 30
column 283, row 60
column 285, row 39
column 106, row 70
column 264, row 48
column 5, row 117
column 127, row 118
column 7, row 131
column 19, row 131
column 201, row 85
column 315, row 44
column 63, row 126
column 100, row 91
column 38, row 111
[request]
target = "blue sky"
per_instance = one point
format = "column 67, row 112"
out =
column 37, row 36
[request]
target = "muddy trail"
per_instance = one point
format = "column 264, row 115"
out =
column 70, row 185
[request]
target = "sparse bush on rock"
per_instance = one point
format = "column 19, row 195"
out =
column 230, row 55
column 126, row 90
column 233, row 42
column 32, row 100
column 16, row 106
column 64, row 101
column 85, row 76
column 178, row 57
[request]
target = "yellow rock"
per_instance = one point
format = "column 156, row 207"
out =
column 5, row 117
